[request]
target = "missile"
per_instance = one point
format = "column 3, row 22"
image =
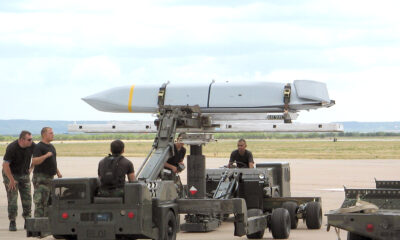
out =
column 215, row 98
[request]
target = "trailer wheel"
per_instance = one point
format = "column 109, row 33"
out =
column 170, row 228
column 353, row 236
column 292, row 209
column 280, row 223
column 32, row 234
column 313, row 215
column 252, row 213
column 256, row 235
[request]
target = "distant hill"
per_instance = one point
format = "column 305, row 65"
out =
column 14, row 127
column 371, row 126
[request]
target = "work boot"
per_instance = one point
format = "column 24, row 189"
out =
column 13, row 226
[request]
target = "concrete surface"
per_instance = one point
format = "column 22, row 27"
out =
column 323, row 178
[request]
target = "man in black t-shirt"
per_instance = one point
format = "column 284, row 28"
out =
column 16, row 170
column 242, row 157
column 175, row 163
column 112, row 170
column 45, row 167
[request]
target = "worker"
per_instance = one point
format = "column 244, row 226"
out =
column 242, row 157
column 112, row 171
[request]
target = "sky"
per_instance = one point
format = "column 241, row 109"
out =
column 53, row 53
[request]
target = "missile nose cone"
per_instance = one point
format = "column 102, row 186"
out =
column 112, row 100
column 91, row 101
column 96, row 102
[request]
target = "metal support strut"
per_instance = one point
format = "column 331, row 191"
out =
column 196, row 172
column 286, row 100
column 196, row 182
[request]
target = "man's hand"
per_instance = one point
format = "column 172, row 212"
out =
column 12, row 185
column 40, row 160
column 7, row 171
column 59, row 175
column 172, row 167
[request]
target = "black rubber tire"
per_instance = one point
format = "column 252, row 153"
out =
column 292, row 209
column 353, row 236
column 171, row 227
column 251, row 213
column 280, row 223
column 32, row 234
column 256, row 235
column 313, row 215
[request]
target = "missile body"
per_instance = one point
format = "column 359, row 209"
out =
column 214, row 98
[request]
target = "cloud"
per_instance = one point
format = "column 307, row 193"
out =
column 89, row 71
column 60, row 51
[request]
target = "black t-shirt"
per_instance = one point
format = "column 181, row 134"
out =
column 124, row 167
column 178, row 157
column 246, row 158
column 19, row 158
column 49, row 165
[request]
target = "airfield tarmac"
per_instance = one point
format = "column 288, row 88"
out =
column 324, row 178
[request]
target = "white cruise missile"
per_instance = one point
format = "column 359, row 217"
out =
column 215, row 98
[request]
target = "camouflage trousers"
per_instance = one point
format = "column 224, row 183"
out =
column 41, row 194
column 115, row 192
column 23, row 186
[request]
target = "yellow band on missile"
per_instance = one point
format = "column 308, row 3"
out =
column 130, row 98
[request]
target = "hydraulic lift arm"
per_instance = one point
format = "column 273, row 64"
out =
column 169, row 119
column 227, row 186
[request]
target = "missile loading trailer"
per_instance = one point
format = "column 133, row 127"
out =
column 264, row 188
column 369, row 214
column 147, row 210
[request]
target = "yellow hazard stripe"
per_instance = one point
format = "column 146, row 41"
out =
column 130, row 98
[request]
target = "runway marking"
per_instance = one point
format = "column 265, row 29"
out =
column 130, row 98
